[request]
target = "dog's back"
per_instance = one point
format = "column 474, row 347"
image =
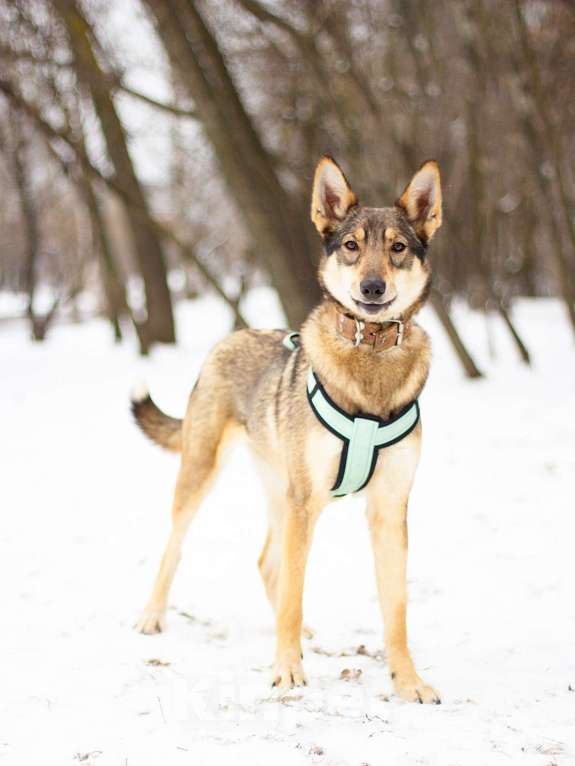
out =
column 243, row 383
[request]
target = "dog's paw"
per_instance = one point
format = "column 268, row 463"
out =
column 416, row 691
column 152, row 621
column 287, row 673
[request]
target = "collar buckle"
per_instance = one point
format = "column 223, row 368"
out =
column 359, row 328
column 400, row 331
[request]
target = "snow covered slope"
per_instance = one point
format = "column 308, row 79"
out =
column 85, row 512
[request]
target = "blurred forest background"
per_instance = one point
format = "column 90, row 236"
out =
column 151, row 150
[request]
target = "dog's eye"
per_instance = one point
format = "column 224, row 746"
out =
column 398, row 247
column 351, row 245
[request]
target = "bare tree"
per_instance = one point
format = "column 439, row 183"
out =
column 14, row 145
column 546, row 144
column 147, row 246
column 277, row 223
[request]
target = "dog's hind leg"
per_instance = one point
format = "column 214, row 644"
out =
column 268, row 564
column 270, row 557
column 297, row 534
column 187, row 497
column 200, row 460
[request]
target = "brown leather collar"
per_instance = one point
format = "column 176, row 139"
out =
column 381, row 336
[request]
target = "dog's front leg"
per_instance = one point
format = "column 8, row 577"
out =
column 387, row 516
column 296, row 540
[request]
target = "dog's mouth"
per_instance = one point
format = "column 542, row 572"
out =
column 373, row 307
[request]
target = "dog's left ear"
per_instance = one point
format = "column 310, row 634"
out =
column 332, row 196
column 421, row 201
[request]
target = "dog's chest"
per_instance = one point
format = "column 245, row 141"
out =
column 393, row 472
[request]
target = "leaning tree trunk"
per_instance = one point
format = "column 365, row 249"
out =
column 112, row 280
column 148, row 250
column 471, row 369
column 113, row 288
column 278, row 226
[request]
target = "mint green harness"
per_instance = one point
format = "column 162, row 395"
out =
column 362, row 436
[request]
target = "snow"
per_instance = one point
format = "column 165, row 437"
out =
column 85, row 501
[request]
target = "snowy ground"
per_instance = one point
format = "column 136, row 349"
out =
column 85, row 512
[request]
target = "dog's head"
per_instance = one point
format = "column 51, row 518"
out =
column 374, row 259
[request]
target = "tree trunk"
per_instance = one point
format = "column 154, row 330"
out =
column 112, row 281
column 148, row 251
column 39, row 324
column 521, row 347
column 281, row 233
column 476, row 159
column 29, row 224
column 553, row 149
column 463, row 355
column 536, row 156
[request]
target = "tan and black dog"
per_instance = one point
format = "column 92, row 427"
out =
column 373, row 269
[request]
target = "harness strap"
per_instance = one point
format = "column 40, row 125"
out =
column 362, row 436
column 290, row 339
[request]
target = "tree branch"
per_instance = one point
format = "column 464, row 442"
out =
column 116, row 81
column 264, row 15
column 172, row 109
column 52, row 133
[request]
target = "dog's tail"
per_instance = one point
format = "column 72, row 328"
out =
column 159, row 427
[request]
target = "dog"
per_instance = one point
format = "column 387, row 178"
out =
column 368, row 356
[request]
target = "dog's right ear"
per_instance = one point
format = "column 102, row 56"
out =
column 332, row 196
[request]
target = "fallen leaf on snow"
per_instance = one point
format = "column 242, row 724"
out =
column 350, row 674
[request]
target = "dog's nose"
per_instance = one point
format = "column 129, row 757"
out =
column 372, row 289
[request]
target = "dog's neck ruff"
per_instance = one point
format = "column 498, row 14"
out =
column 362, row 436
column 381, row 336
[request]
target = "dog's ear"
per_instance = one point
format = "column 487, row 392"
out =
column 421, row 200
column 332, row 196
